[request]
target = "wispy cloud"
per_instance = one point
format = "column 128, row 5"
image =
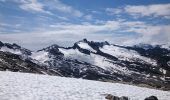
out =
column 154, row 10
column 46, row 7
column 88, row 17
column 33, row 5
column 113, row 11
column 86, row 28
column 58, row 5
column 148, row 33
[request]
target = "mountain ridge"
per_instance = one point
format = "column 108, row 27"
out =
column 106, row 62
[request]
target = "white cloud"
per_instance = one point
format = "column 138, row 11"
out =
column 86, row 28
column 32, row 5
column 2, row 0
column 36, row 41
column 88, row 17
column 150, row 34
column 47, row 6
column 95, row 12
column 62, row 33
column 62, row 17
column 113, row 11
column 49, row 30
column 155, row 10
column 10, row 25
column 61, row 7
column 113, row 31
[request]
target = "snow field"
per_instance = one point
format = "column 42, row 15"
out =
column 24, row 86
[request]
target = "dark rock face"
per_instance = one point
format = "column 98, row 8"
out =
column 124, row 98
column 53, row 50
column 151, row 98
column 111, row 97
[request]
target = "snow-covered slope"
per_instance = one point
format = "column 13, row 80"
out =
column 40, row 56
column 22, row 86
column 93, row 59
column 84, row 45
column 5, row 49
column 125, row 54
column 104, row 61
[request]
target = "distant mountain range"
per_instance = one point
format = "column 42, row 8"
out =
column 141, row 64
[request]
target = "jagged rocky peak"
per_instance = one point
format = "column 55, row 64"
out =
column 84, row 40
column 85, row 44
column 8, row 45
column 1, row 44
column 99, row 44
column 54, row 46
column 53, row 49
column 93, row 42
column 15, row 45
column 14, row 48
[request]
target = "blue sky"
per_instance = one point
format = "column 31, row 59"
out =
column 38, row 23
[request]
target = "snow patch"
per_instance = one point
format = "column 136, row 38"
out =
column 165, row 46
column 124, row 54
column 14, row 51
column 76, row 54
column 168, row 63
column 163, row 70
column 85, row 46
column 1, row 60
column 41, row 56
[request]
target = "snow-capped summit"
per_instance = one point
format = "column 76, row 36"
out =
column 90, row 44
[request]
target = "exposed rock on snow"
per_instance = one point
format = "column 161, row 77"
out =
column 111, row 97
column 151, row 98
